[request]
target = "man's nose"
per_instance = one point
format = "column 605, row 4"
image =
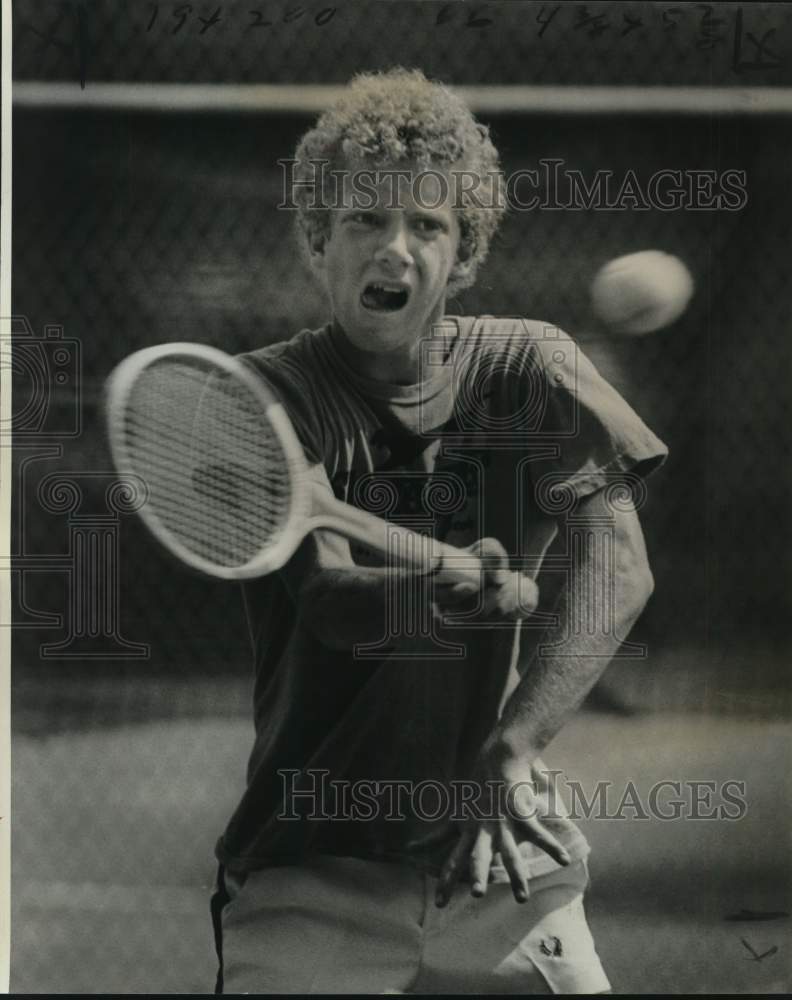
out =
column 394, row 251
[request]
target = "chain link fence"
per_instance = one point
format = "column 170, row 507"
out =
column 134, row 228
column 162, row 229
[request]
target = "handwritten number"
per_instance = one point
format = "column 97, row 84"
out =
column 765, row 57
column 258, row 20
column 596, row 23
column 443, row 15
column 478, row 22
column 631, row 23
column 208, row 22
column 293, row 15
column 181, row 13
column 708, row 28
column 155, row 12
column 545, row 21
column 324, row 16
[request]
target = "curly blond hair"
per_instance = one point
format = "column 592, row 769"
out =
column 399, row 117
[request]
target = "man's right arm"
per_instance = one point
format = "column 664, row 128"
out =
column 346, row 604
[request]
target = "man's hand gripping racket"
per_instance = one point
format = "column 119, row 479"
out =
column 228, row 490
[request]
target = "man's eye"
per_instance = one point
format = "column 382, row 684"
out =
column 427, row 226
column 363, row 218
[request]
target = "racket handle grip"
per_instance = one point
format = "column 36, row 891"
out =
column 450, row 565
column 458, row 566
column 399, row 544
column 406, row 548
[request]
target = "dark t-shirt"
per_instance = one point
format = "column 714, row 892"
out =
column 366, row 753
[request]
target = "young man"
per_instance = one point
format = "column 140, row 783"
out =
column 397, row 809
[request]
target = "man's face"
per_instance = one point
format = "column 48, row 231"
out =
column 386, row 267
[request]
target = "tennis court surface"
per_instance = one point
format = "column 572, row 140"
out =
column 114, row 826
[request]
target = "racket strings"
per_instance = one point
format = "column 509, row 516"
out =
column 160, row 451
column 212, row 488
column 217, row 475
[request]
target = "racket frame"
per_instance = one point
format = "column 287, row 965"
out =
column 117, row 391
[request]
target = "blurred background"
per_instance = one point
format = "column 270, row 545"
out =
column 145, row 149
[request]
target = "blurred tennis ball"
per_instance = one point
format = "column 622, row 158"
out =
column 641, row 292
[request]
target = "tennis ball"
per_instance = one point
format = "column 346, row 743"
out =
column 641, row 292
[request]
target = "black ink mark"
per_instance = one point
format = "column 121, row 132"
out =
column 709, row 28
column 761, row 47
column 181, row 13
column 153, row 17
column 756, row 957
column 596, row 23
column 631, row 24
column 82, row 46
column 474, row 19
column 545, row 21
column 258, row 20
column 209, row 21
column 671, row 18
column 752, row 915
column 290, row 16
column 477, row 22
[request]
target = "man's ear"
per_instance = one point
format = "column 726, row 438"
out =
column 462, row 267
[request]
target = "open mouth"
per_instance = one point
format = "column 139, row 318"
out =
column 384, row 297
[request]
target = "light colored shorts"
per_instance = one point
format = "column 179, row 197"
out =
column 345, row 925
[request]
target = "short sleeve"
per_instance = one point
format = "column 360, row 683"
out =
column 594, row 432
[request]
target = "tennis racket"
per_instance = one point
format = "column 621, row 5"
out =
column 228, row 490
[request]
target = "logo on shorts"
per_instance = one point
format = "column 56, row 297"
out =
column 552, row 946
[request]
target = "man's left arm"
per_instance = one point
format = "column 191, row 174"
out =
column 607, row 587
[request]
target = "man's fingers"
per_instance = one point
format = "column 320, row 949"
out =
column 462, row 604
column 511, row 594
column 513, row 863
column 498, row 592
column 480, row 861
column 537, row 834
column 453, row 593
column 492, row 554
column 522, row 812
column 452, row 869
column 527, row 594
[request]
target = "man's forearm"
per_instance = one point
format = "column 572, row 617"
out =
column 606, row 591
